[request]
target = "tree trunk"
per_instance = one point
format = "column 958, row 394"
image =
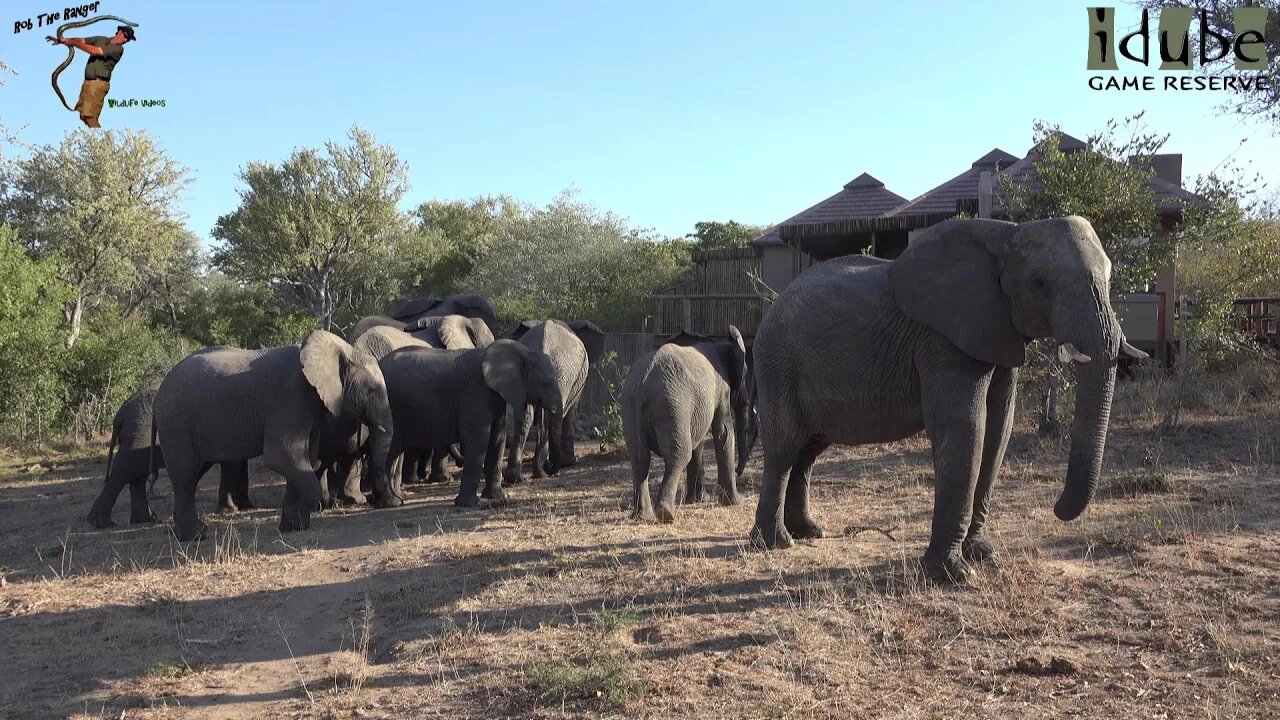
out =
column 73, row 315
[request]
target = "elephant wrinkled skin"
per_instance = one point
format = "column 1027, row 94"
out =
column 859, row 350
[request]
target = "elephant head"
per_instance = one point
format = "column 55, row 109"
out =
column 349, row 382
column 456, row 332
column 473, row 306
column 592, row 338
column 990, row 286
column 524, row 376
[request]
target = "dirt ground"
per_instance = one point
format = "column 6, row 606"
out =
column 1163, row 601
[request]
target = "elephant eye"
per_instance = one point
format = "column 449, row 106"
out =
column 1039, row 283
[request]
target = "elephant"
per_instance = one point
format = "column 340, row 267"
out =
column 440, row 397
column 224, row 404
column 859, row 350
column 130, row 457
column 408, row 313
column 572, row 347
column 672, row 399
column 451, row 332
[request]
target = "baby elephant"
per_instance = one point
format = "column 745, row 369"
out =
column 672, row 399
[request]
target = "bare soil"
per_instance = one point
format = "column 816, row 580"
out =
column 1163, row 601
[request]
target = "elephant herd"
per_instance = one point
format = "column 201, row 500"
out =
column 856, row 350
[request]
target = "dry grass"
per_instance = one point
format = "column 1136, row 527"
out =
column 1159, row 602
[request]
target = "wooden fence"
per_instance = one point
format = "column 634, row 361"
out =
column 628, row 347
column 720, row 292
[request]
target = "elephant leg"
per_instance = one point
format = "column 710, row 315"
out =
column 955, row 410
column 780, row 454
column 420, row 465
column 641, row 503
column 469, row 485
column 139, row 505
column 438, row 473
column 676, row 460
column 795, row 514
column 695, row 477
column 455, row 453
column 514, row 473
column 725, row 446
column 1001, row 397
column 124, row 466
column 568, row 450
column 233, row 486
column 541, row 438
column 493, row 459
column 349, row 480
column 302, row 487
column 184, row 475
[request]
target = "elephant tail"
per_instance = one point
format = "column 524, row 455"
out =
column 153, row 473
column 111, row 454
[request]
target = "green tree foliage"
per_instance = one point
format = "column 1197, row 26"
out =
column 1228, row 248
column 452, row 235
column 1104, row 182
column 713, row 235
column 311, row 227
column 31, row 340
column 104, row 203
column 571, row 260
column 221, row 311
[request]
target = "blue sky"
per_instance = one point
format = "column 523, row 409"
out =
column 665, row 112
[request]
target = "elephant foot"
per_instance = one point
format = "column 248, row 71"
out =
column 512, row 475
column 644, row 515
column 549, row 468
column 803, row 528
column 771, row 537
column 977, row 548
column 387, row 500
column 733, row 498
column 245, row 504
column 149, row 517
column 692, row 498
column 352, row 498
column 950, row 568
column 665, row 513
column 294, row 518
column 188, row 532
column 99, row 521
column 493, row 492
column 468, row 500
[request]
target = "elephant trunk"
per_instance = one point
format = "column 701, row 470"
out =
column 1096, row 378
column 745, row 431
column 379, row 449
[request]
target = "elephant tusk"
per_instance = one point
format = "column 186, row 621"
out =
column 380, row 428
column 1131, row 351
column 1068, row 352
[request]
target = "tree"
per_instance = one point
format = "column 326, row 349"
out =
column 31, row 297
column 713, row 235
column 307, row 226
column 105, row 204
column 452, row 236
column 1229, row 247
column 570, row 260
column 1264, row 102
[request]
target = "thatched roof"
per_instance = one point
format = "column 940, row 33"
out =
column 862, row 197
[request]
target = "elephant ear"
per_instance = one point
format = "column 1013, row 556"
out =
column 592, row 338
column 949, row 280
column 454, row 334
column 504, row 370
column 325, row 359
column 415, row 307
column 523, row 328
column 688, row 339
column 481, row 335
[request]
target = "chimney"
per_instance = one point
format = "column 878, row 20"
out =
column 1168, row 167
column 984, row 194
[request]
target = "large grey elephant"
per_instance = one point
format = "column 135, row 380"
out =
column 440, row 397
column 224, row 404
column 673, row 398
column 130, row 456
column 859, row 350
column 408, row 313
column 572, row 347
